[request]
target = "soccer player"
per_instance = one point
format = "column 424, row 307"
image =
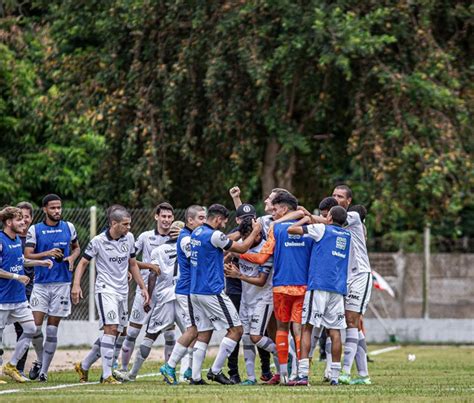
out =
column 14, row 306
column 212, row 308
column 166, row 310
column 114, row 251
column 257, row 303
column 146, row 242
column 56, row 239
column 194, row 217
column 327, row 285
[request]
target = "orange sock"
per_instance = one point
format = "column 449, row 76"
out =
column 282, row 346
column 298, row 347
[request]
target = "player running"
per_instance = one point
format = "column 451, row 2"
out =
column 114, row 251
column 56, row 239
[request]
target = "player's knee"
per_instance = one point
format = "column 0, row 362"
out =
column 192, row 332
column 235, row 333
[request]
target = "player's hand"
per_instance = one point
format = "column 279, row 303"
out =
column 76, row 294
column 54, row 253
column 130, row 277
column 23, row 279
column 256, row 226
column 234, row 192
column 174, row 233
column 155, row 268
column 304, row 210
column 231, row 270
column 146, row 296
column 70, row 261
column 47, row 263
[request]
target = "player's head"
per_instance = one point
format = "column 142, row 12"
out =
column 120, row 220
column 283, row 203
column 217, row 216
column 27, row 211
column 12, row 219
column 337, row 215
column 326, row 204
column 270, row 197
column 175, row 229
column 52, row 207
column 359, row 208
column 164, row 216
column 245, row 210
column 194, row 216
column 343, row 195
column 245, row 229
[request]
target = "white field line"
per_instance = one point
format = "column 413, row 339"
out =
column 67, row 385
column 384, row 350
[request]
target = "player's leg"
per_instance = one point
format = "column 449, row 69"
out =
column 133, row 330
column 50, row 346
column 327, row 371
column 170, row 340
column 233, row 360
column 39, row 305
column 143, row 352
column 335, row 335
column 283, row 317
column 22, row 361
column 245, row 314
column 119, row 340
column 82, row 367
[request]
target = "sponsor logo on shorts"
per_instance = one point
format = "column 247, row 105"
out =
column 340, row 316
column 214, row 319
column 254, row 320
column 157, row 323
column 64, row 301
column 135, row 314
column 112, row 315
column 34, row 301
column 317, row 315
column 353, row 296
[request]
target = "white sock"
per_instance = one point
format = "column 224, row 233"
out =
column 249, row 356
column 49, row 347
column 314, row 341
column 361, row 356
column 184, row 364
column 92, row 357
column 142, row 354
column 107, row 343
column 199, row 353
column 225, row 349
column 37, row 342
column 327, row 372
column 128, row 346
column 350, row 348
column 179, row 351
column 284, row 369
column 269, row 345
column 23, row 342
column 303, row 367
column 118, row 346
column 170, row 341
column 294, row 357
column 335, row 371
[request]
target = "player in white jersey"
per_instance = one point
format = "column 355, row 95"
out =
column 257, row 302
column 114, row 251
column 145, row 244
column 166, row 310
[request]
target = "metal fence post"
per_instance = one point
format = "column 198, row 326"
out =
column 93, row 233
column 426, row 271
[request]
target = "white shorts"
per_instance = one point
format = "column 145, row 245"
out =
column 255, row 317
column 112, row 308
column 323, row 308
column 214, row 312
column 20, row 312
column 164, row 316
column 186, row 306
column 53, row 299
column 138, row 314
column 359, row 290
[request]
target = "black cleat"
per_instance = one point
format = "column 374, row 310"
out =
column 219, row 378
column 235, row 379
column 43, row 378
column 200, row 382
column 35, row 370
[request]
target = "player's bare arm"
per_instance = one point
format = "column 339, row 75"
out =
column 76, row 291
column 33, row 262
column 133, row 268
column 13, row 276
column 235, row 194
column 297, row 227
column 149, row 266
column 54, row 253
column 232, row 271
column 76, row 251
column 244, row 246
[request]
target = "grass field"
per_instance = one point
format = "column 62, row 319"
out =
column 443, row 373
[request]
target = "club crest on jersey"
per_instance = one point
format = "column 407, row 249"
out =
column 198, row 231
column 112, row 315
column 223, row 237
column 124, row 247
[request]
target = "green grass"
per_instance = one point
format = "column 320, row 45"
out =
column 439, row 373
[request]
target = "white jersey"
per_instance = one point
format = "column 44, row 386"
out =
column 165, row 256
column 359, row 260
column 251, row 294
column 112, row 261
column 146, row 242
column 265, row 221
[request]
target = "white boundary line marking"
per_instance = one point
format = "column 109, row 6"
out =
column 385, row 350
column 63, row 386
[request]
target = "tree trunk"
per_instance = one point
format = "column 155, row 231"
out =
column 269, row 166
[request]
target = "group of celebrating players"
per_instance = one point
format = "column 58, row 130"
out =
column 297, row 275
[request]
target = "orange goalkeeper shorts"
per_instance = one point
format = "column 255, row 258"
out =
column 288, row 308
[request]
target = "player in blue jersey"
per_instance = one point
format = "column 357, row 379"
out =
column 56, row 239
column 14, row 305
column 194, row 217
column 212, row 308
column 327, row 286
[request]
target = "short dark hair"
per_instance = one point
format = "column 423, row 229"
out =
column 287, row 199
column 24, row 205
column 338, row 214
column 49, row 198
column 327, row 203
column 245, row 226
column 119, row 213
column 217, row 210
column 192, row 211
column 359, row 208
column 346, row 188
column 164, row 206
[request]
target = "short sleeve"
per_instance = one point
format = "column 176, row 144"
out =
column 31, row 237
column 266, row 267
column 91, row 249
column 353, row 218
column 315, row 231
column 220, row 240
column 131, row 239
column 185, row 245
column 139, row 243
column 72, row 230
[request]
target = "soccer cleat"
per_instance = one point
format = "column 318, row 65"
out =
column 83, row 374
column 284, row 380
column 292, row 382
column 24, row 376
column 43, row 378
column 327, row 375
column 275, row 380
column 199, row 382
column 361, row 380
column 235, row 379
column 111, row 381
column 11, row 371
column 334, row 383
column 219, row 378
column 169, row 374
column 248, row 382
column 344, row 378
column 188, row 374
column 266, row 377
column 121, row 376
column 303, row 381
column 35, row 370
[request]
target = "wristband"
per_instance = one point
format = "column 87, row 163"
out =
column 15, row 276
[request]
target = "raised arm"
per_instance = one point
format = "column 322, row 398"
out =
column 235, row 194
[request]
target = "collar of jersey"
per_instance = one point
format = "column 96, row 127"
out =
column 157, row 233
column 109, row 237
column 208, row 226
column 171, row 241
column 44, row 222
column 8, row 236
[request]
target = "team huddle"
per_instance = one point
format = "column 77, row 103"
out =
column 274, row 283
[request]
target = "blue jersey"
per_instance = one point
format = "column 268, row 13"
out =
column 43, row 237
column 183, row 286
column 329, row 258
column 290, row 257
column 11, row 260
column 207, row 260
